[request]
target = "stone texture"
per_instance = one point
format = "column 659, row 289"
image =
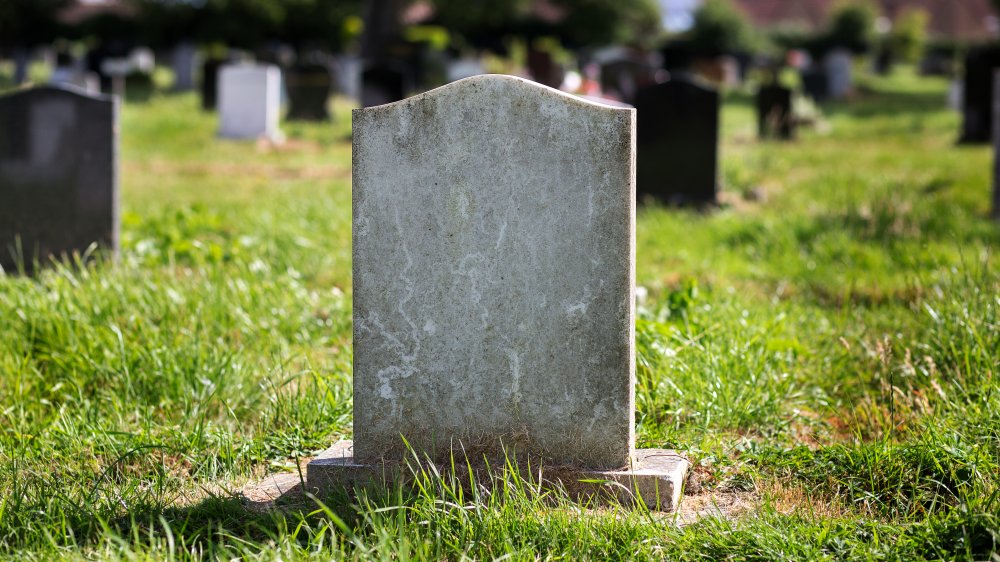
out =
column 656, row 476
column 249, row 101
column 494, row 244
column 58, row 174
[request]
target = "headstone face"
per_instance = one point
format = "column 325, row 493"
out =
column 309, row 87
column 249, row 101
column 185, row 58
column 678, row 141
column 774, row 112
column 210, row 83
column 382, row 83
column 839, row 73
column 58, row 174
column 977, row 103
column 494, row 244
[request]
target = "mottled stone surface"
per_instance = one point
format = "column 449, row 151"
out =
column 656, row 476
column 249, row 101
column 58, row 174
column 494, row 247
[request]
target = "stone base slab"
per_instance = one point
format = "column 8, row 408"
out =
column 656, row 475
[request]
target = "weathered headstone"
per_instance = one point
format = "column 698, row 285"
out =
column 678, row 140
column 494, row 247
column 210, row 83
column 309, row 87
column 774, row 112
column 839, row 73
column 977, row 101
column 58, row 175
column 185, row 58
column 249, row 101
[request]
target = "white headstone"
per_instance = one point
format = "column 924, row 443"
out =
column 494, row 250
column 839, row 73
column 249, row 101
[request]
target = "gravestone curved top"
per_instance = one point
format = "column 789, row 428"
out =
column 493, row 267
column 58, row 174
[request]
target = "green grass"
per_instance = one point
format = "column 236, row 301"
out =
column 828, row 356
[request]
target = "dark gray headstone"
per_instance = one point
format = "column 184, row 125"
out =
column 774, row 112
column 624, row 77
column 58, row 174
column 977, row 114
column 678, row 142
column 309, row 87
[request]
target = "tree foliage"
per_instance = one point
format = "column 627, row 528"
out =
column 909, row 35
column 29, row 22
column 852, row 26
column 719, row 28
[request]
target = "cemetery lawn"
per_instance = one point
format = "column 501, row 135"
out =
column 825, row 347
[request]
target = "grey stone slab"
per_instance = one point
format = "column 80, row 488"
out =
column 656, row 476
column 58, row 174
column 494, row 250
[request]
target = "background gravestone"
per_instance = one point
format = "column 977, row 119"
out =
column 210, row 83
column 184, row 60
column 309, row 87
column 678, row 139
column 977, row 103
column 58, row 174
column 249, row 101
column 774, row 112
column 815, row 84
column 493, row 248
column 839, row 66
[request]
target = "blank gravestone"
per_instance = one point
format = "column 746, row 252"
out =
column 58, row 175
column 184, row 59
column 309, row 87
column 249, row 101
column 494, row 248
column 839, row 73
column 678, row 142
column 774, row 112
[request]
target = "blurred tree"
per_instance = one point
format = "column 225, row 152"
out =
column 852, row 26
column 719, row 28
column 324, row 24
column 909, row 35
column 27, row 23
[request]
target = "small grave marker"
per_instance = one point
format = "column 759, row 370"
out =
column 58, row 175
column 309, row 87
column 494, row 248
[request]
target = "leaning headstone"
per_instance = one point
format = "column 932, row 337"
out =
column 977, row 100
column 249, row 101
column 839, row 73
column 185, row 58
column 309, row 87
column 678, row 142
column 58, row 175
column 494, row 260
column 774, row 112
